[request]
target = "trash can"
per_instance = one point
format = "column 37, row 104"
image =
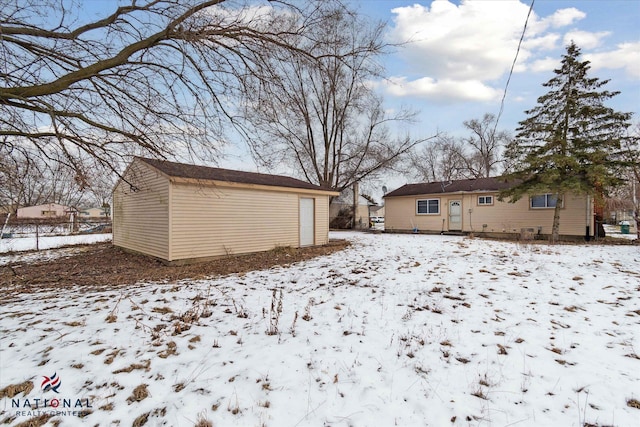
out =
column 624, row 227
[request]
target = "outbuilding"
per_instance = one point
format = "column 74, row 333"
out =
column 182, row 213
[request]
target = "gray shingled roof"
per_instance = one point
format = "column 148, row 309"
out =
column 442, row 187
column 182, row 170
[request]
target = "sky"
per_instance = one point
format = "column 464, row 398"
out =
column 458, row 54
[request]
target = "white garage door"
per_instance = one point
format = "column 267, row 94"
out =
column 307, row 222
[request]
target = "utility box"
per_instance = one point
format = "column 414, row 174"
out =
column 527, row 233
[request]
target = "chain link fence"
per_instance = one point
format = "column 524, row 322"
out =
column 20, row 234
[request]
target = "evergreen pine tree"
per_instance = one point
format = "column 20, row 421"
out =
column 570, row 141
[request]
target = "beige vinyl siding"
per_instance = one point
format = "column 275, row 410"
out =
column 512, row 217
column 501, row 217
column 322, row 220
column 401, row 214
column 211, row 221
column 49, row 210
column 178, row 219
column 141, row 218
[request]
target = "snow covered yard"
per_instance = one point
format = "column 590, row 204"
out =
column 406, row 330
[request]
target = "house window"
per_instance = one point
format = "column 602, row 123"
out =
column 428, row 207
column 485, row 200
column 544, row 201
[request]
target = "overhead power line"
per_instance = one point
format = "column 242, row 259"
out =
column 515, row 59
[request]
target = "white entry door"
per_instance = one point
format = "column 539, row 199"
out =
column 307, row 221
column 455, row 215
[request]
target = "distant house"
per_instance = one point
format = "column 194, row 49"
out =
column 472, row 206
column 342, row 208
column 180, row 213
column 93, row 213
column 49, row 210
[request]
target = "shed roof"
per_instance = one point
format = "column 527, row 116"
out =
column 462, row 185
column 183, row 170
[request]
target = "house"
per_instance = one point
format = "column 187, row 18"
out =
column 341, row 210
column 472, row 206
column 181, row 213
column 92, row 213
column 49, row 210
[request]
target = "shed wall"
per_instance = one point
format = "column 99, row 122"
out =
column 141, row 211
column 209, row 221
column 501, row 217
column 322, row 220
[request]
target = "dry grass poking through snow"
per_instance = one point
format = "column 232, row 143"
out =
column 394, row 330
column 103, row 266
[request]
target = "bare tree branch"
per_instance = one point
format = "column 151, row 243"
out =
column 157, row 77
column 318, row 113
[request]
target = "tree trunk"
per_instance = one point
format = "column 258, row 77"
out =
column 555, row 230
column 356, row 199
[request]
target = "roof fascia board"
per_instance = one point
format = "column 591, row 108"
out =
column 241, row 185
column 447, row 193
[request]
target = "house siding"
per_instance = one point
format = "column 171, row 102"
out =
column 93, row 213
column 209, row 221
column 322, row 220
column 54, row 210
column 501, row 217
column 141, row 218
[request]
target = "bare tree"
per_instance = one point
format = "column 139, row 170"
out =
column 478, row 155
column 152, row 78
column 438, row 160
column 483, row 148
column 630, row 192
column 29, row 182
column 319, row 114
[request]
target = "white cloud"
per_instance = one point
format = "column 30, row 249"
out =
column 563, row 17
column 445, row 90
column 585, row 39
column 626, row 56
column 468, row 47
column 545, row 64
column 475, row 40
column 544, row 42
column 462, row 52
